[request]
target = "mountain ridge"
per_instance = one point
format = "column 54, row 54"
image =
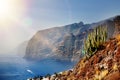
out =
column 46, row 43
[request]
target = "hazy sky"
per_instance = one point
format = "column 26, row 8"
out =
column 33, row 15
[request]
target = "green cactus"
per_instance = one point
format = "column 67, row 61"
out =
column 94, row 40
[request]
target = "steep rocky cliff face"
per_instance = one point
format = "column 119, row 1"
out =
column 71, row 46
column 64, row 43
column 117, row 25
column 43, row 44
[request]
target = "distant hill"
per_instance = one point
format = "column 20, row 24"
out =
column 63, row 43
column 21, row 49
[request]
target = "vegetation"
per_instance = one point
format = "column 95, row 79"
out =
column 94, row 40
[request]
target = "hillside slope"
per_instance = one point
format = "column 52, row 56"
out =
column 105, row 64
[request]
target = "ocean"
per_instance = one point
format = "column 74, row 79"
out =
column 17, row 68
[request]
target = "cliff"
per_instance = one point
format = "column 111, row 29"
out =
column 44, row 43
column 63, row 43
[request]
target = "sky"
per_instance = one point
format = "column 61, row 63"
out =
column 21, row 19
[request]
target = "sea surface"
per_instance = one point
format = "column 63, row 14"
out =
column 17, row 68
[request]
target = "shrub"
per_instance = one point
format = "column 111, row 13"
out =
column 94, row 40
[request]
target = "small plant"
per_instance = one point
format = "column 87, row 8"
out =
column 94, row 40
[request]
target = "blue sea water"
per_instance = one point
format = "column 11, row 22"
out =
column 16, row 68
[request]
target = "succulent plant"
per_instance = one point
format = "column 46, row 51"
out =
column 94, row 40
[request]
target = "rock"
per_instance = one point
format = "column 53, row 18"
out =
column 106, row 69
column 113, row 76
column 117, row 25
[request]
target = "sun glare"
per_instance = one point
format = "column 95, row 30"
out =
column 9, row 10
column 6, row 8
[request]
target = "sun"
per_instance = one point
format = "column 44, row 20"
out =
column 6, row 8
column 7, row 12
column 10, row 10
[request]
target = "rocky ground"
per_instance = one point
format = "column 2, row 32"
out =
column 56, row 76
column 103, row 65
